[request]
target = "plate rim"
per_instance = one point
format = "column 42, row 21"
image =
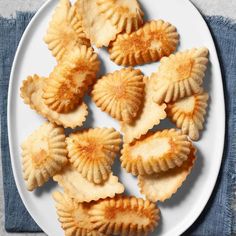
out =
column 187, row 223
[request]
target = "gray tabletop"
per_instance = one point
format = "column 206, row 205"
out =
column 8, row 9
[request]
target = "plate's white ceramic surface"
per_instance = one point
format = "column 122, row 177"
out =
column 185, row 206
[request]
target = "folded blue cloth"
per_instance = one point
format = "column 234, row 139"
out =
column 218, row 217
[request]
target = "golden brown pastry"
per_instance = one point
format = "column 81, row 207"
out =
column 68, row 82
column 82, row 190
column 155, row 152
column 180, row 75
column 73, row 216
column 32, row 91
column 125, row 216
column 43, row 155
column 125, row 15
column 92, row 152
column 161, row 186
column 65, row 30
column 96, row 26
column 149, row 43
column 189, row 114
column 120, row 94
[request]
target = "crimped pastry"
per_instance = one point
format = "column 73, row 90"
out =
column 150, row 115
column 96, row 26
column 82, row 190
column 32, row 91
column 180, row 75
column 126, row 15
column 68, row 82
column 161, row 186
column 43, row 155
column 92, row 152
column 120, row 94
column 149, row 43
column 73, row 216
column 155, row 152
column 65, row 30
column 189, row 113
column 125, row 216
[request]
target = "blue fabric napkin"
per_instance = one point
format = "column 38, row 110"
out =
column 218, row 218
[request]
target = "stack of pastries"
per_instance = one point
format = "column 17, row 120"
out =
column 92, row 201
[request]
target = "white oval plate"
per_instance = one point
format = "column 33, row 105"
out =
column 178, row 213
